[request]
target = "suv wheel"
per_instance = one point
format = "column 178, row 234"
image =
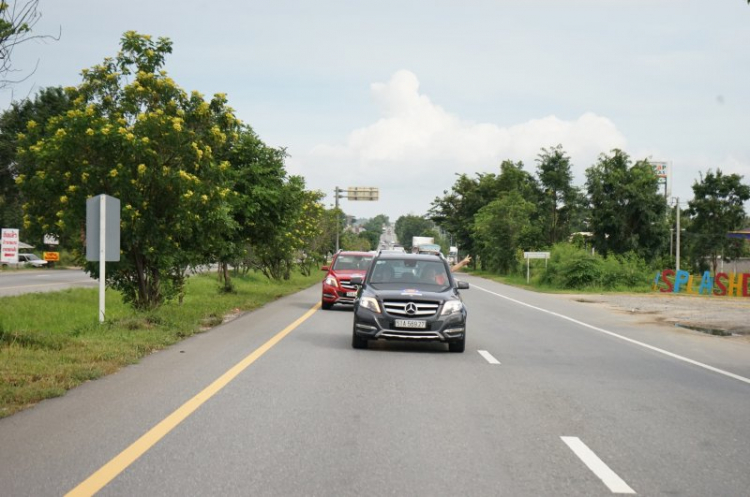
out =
column 357, row 342
column 458, row 346
column 326, row 305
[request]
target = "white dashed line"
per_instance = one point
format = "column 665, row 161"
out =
column 615, row 484
column 621, row 337
column 488, row 357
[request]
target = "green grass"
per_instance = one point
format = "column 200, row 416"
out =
column 52, row 342
column 535, row 286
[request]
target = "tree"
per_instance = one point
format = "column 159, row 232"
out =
column 134, row 134
column 410, row 226
column 560, row 199
column 499, row 229
column 371, row 237
column 716, row 208
column 16, row 22
column 376, row 224
column 627, row 213
column 351, row 241
column 299, row 214
column 455, row 211
column 47, row 103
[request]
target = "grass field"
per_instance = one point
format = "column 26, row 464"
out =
column 51, row 342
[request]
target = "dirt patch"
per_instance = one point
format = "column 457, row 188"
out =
column 722, row 316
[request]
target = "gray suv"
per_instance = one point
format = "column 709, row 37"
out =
column 409, row 297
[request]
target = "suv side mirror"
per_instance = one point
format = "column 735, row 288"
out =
column 325, row 268
column 356, row 280
column 462, row 285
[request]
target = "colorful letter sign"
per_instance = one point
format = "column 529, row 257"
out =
column 724, row 284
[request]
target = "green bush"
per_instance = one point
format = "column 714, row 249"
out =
column 571, row 267
column 625, row 271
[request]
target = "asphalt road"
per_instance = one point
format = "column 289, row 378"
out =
column 550, row 398
column 42, row 280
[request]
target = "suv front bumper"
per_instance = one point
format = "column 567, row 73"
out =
column 336, row 295
column 371, row 326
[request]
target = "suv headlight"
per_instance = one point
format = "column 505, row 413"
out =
column 452, row 307
column 370, row 303
column 331, row 281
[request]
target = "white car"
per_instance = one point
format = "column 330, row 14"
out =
column 31, row 260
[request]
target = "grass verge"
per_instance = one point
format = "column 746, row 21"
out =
column 52, row 342
column 534, row 285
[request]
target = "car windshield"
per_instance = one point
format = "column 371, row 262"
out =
column 31, row 257
column 409, row 273
column 352, row 262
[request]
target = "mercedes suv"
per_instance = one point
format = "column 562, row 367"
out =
column 409, row 297
column 337, row 286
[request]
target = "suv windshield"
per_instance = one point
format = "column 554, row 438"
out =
column 426, row 275
column 352, row 262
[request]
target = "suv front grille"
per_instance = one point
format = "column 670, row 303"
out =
column 418, row 309
column 346, row 284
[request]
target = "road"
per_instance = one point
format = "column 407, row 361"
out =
column 43, row 280
column 550, row 398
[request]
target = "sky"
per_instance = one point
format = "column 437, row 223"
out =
column 404, row 95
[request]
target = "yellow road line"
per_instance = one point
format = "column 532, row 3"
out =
column 109, row 471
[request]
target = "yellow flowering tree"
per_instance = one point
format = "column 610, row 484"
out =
column 287, row 243
column 132, row 133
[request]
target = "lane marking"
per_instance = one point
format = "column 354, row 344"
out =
column 120, row 462
column 621, row 337
column 615, row 484
column 488, row 357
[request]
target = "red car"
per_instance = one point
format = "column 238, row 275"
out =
column 337, row 288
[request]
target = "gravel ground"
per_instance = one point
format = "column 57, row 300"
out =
column 728, row 316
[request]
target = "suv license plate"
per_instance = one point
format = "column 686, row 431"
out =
column 351, row 294
column 410, row 323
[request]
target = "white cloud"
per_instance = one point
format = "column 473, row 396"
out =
column 417, row 146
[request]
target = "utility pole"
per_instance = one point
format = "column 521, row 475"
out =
column 671, row 242
column 338, row 218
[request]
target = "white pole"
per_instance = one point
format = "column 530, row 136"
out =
column 527, row 270
column 677, row 251
column 102, row 253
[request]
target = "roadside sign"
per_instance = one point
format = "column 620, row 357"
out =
column 102, row 237
column 111, row 228
column 51, row 240
column 9, row 247
column 362, row 193
column 51, row 256
column 534, row 255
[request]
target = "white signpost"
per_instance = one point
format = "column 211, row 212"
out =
column 9, row 248
column 534, row 255
column 102, row 237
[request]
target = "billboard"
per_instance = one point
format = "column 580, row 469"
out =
column 663, row 170
column 9, row 247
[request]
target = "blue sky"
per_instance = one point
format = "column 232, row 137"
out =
column 403, row 95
